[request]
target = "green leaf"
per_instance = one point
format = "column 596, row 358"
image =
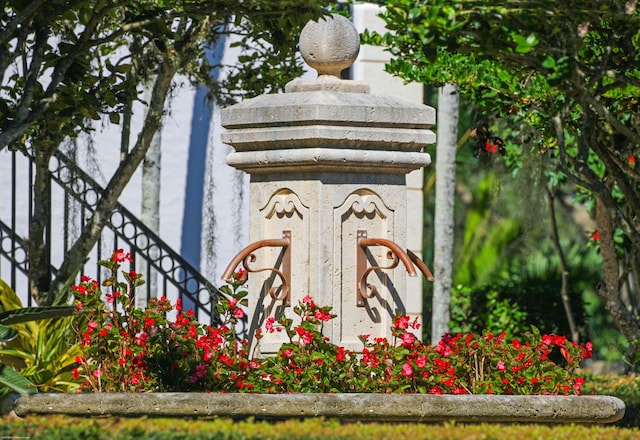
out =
column 7, row 333
column 13, row 380
column 549, row 63
column 26, row 314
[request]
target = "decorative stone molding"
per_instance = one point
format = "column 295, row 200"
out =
column 327, row 161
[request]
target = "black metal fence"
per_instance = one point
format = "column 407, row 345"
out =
column 75, row 195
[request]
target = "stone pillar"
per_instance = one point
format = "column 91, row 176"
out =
column 328, row 164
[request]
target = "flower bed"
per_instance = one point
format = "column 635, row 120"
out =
column 127, row 349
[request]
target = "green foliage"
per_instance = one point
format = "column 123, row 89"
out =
column 527, row 292
column 37, row 344
column 488, row 238
column 486, row 310
column 564, row 77
column 83, row 42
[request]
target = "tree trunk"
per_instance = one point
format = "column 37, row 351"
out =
column 39, row 259
column 90, row 234
column 448, row 102
column 564, row 289
column 150, row 212
column 609, row 290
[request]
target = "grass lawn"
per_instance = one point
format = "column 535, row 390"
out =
column 68, row 428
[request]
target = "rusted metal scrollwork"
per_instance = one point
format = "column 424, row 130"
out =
column 395, row 254
column 246, row 256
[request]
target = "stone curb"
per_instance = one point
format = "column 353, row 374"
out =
column 351, row 407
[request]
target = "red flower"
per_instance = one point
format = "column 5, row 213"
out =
column 322, row 315
column 577, row 384
column 80, row 290
column 119, row 256
column 240, row 276
column 632, row 161
column 588, row 350
column 401, row 322
column 112, row 296
column 595, row 236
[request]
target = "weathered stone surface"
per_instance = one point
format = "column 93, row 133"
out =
column 330, row 44
column 324, row 108
column 352, row 407
column 327, row 165
column 324, row 159
column 328, row 162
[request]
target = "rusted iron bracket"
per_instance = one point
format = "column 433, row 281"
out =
column 394, row 253
column 246, row 256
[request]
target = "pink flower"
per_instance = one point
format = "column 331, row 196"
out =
column 268, row 324
column 501, row 366
column 308, row 300
column 408, row 339
column 306, row 336
column 238, row 313
column 407, row 371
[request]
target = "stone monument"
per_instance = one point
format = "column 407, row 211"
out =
column 328, row 199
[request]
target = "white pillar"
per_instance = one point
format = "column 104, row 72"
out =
column 328, row 163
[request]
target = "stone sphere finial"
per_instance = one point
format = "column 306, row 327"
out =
column 330, row 44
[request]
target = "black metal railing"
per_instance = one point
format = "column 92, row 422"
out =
column 80, row 194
